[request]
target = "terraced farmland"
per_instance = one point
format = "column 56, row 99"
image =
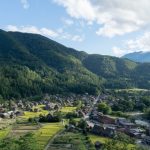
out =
column 22, row 129
column 45, row 133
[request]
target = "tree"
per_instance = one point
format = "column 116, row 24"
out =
column 28, row 142
column 71, row 115
column 82, row 124
column 104, row 108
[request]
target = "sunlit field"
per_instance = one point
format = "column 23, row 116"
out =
column 4, row 132
column 45, row 133
column 28, row 114
column 95, row 138
column 68, row 109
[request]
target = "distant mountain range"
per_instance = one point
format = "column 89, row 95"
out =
column 138, row 56
column 31, row 64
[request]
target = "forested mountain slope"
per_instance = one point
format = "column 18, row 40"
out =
column 32, row 65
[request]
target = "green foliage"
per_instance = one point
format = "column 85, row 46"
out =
column 119, row 114
column 82, row 124
column 78, row 104
column 50, row 117
column 104, row 108
column 26, row 142
column 114, row 145
column 32, row 65
column 130, row 100
column 119, row 73
column 71, row 115
column 77, row 141
column 124, row 138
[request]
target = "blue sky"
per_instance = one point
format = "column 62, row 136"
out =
column 95, row 26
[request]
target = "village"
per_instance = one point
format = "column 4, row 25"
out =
column 86, row 108
column 108, row 126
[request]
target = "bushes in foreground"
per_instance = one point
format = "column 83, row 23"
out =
column 26, row 142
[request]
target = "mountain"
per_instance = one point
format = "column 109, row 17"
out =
column 138, row 56
column 32, row 65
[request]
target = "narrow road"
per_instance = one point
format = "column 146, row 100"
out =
column 86, row 117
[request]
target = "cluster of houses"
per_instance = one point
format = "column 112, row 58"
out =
column 69, row 99
column 108, row 126
column 11, row 109
column 15, row 109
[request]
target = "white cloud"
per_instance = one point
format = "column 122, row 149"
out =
column 48, row 32
column 32, row 29
column 134, row 45
column 78, row 8
column 114, row 17
column 25, row 4
column 119, row 52
column 67, row 22
column 77, row 38
column 60, row 34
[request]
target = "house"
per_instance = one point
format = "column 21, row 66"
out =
column 19, row 113
column 71, row 128
column 123, row 122
column 36, row 110
column 104, row 131
column 142, row 123
column 107, row 119
column 146, row 140
column 20, row 105
column 49, row 106
column 103, row 118
column 4, row 115
column 2, row 110
column 14, row 107
column 135, row 132
column 29, row 107
column 148, row 131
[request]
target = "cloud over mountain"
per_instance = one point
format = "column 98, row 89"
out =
column 114, row 17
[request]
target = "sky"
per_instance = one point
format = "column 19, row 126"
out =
column 108, row 27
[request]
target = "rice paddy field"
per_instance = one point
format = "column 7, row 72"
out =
column 5, row 127
column 95, row 138
column 42, row 132
column 4, row 123
column 28, row 114
column 4, row 132
column 46, row 132
column 22, row 129
column 68, row 109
